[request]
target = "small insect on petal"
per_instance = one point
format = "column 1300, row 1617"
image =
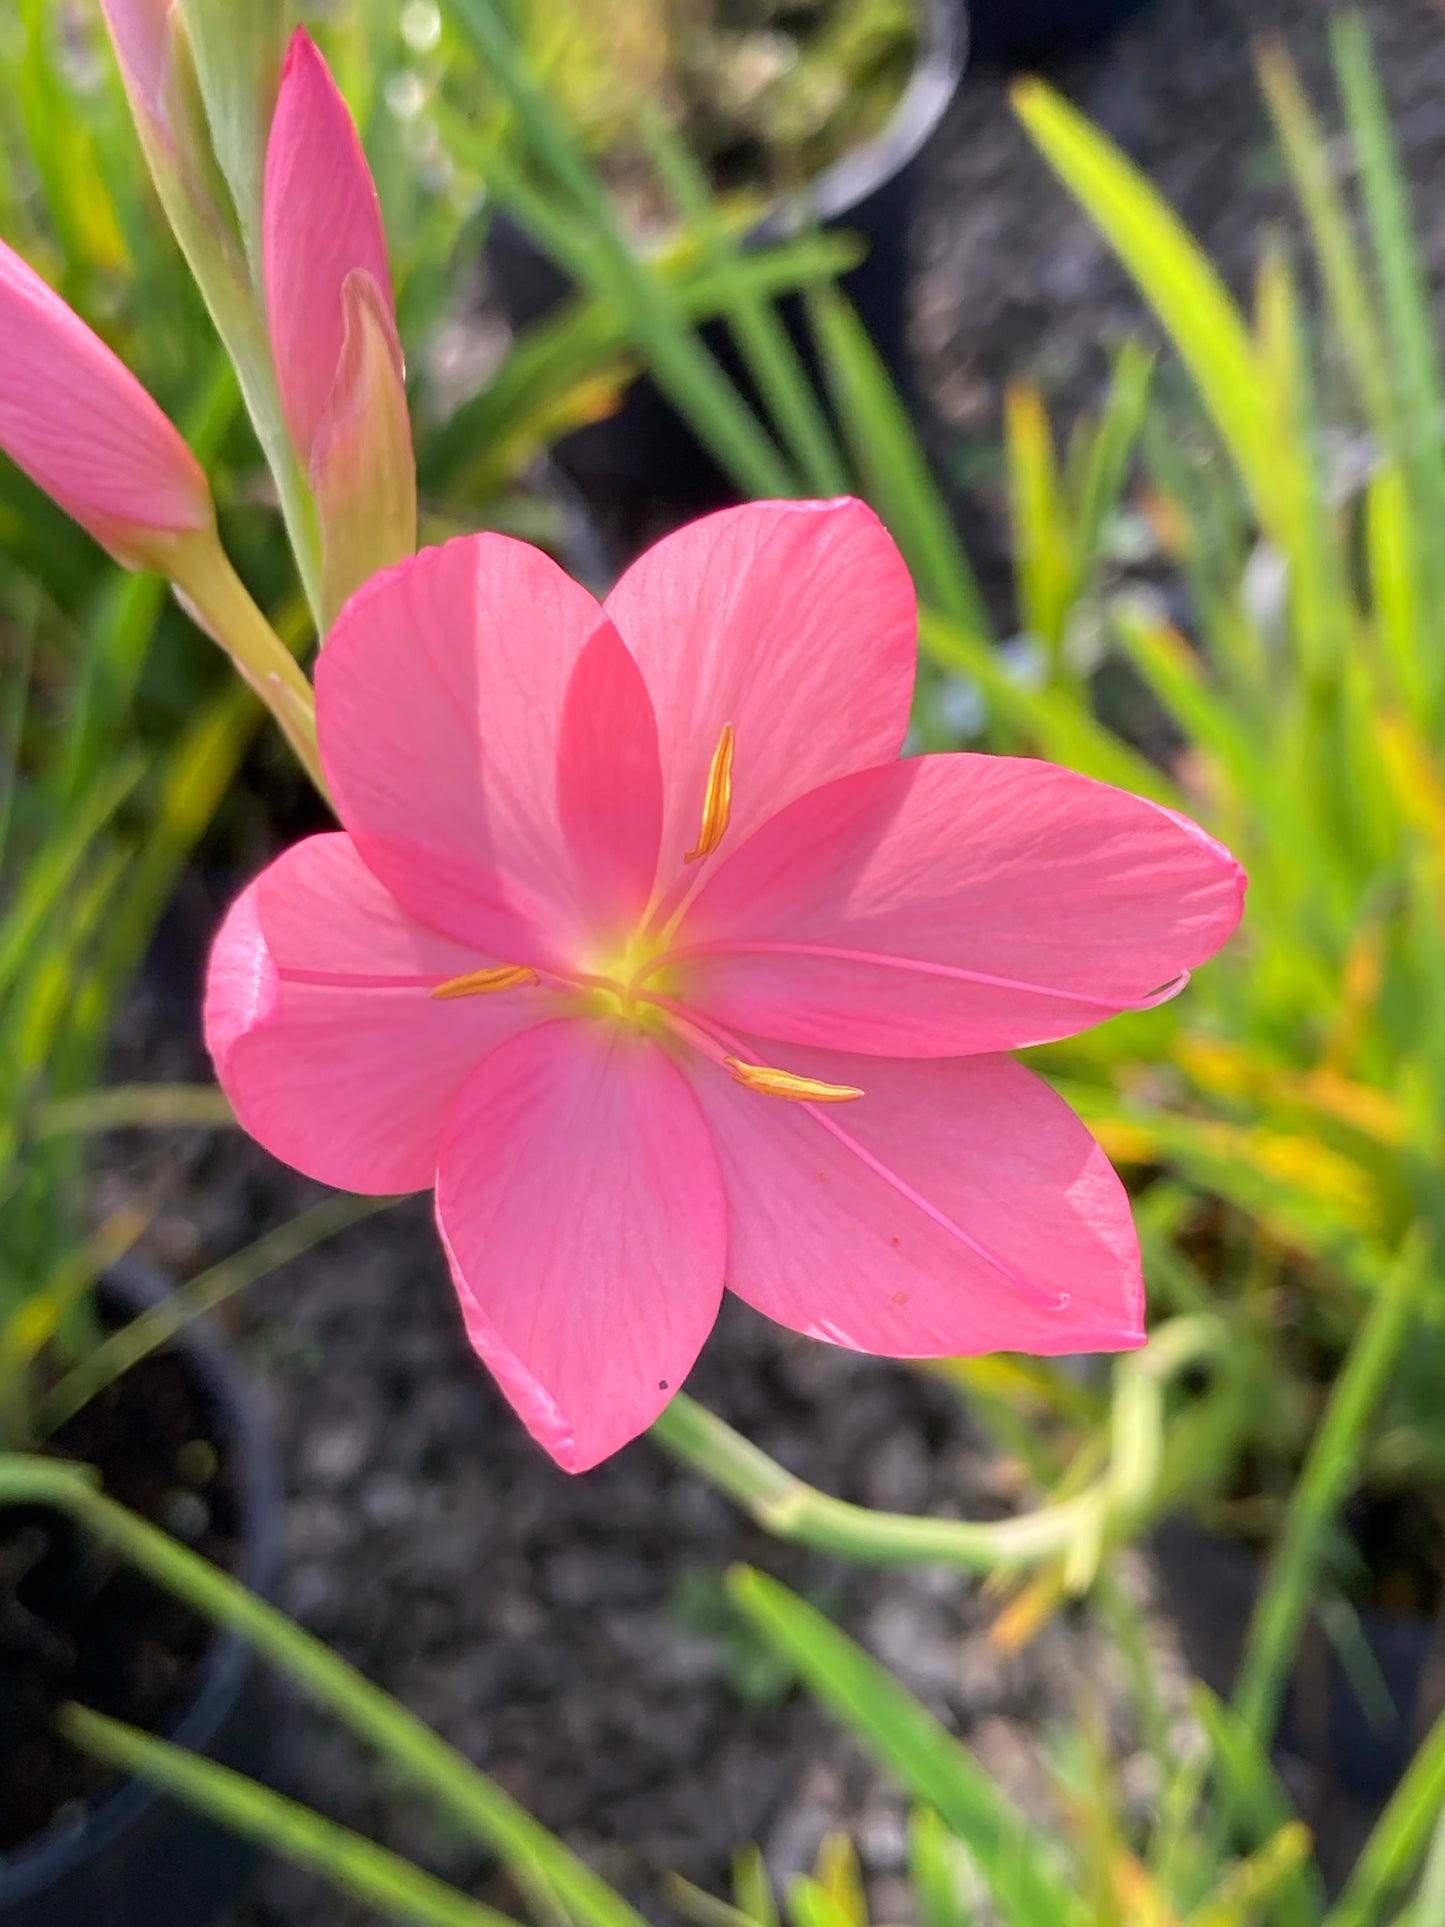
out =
column 718, row 801
column 801, row 1090
column 478, row 982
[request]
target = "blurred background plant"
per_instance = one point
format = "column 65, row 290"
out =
column 764, row 94
column 1211, row 1841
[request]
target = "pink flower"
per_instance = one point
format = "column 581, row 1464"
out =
column 82, row 427
column 333, row 327
column 644, row 948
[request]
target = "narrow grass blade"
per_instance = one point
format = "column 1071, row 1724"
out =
column 1044, row 560
column 928, row 1761
column 1413, row 352
column 891, row 464
column 1172, row 271
column 1251, row 1794
column 933, row 1854
column 1401, row 1840
column 1109, row 451
column 1323, row 1485
column 211, row 1289
column 1351, row 297
column 534, row 1856
column 773, row 362
column 344, row 1860
column 149, row 1107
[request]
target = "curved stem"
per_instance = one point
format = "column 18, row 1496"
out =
column 1076, row 1531
column 219, row 601
column 789, row 1508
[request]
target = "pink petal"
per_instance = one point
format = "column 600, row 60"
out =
column 82, row 427
column 580, row 1203
column 953, row 904
column 439, row 702
column 321, row 222
column 609, row 783
column 957, row 1207
column 322, row 1031
column 793, row 621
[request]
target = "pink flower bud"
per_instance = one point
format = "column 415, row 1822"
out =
column 82, row 427
column 333, row 326
column 322, row 223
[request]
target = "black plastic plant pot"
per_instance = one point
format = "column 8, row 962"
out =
column 134, row 1858
column 1211, row 1586
column 1014, row 33
column 644, row 455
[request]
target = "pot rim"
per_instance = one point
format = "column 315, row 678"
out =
column 848, row 182
column 938, row 71
column 34, row 1867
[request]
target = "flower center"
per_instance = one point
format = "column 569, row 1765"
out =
column 637, row 983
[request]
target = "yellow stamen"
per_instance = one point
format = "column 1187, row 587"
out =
column 718, row 802
column 478, row 982
column 801, row 1090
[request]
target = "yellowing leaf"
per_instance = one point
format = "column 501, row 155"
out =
column 1228, row 1070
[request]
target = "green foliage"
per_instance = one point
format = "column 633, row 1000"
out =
column 1303, row 1085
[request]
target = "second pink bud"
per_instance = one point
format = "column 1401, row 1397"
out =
column 333, row 331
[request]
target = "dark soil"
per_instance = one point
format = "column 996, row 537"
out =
column 76, row 1624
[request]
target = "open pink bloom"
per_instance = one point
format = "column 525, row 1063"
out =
column 644, row 948
column 82, row 427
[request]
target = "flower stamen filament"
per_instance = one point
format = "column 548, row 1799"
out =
column 768, row 1082
column 479, row 983
column 717, row 799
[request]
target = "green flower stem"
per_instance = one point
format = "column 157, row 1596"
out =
column 789, row 1509
column 1077, row 1531
column 220, row 602
column 348, row 1861
column 553, row 1876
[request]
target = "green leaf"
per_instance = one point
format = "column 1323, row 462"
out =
column 1400, row 1841
column 1173, row 273
column 345, row 1860
column 894, row 470
column 1408, row 310
column 773, row 362
column 1017, row 1866
column 206, row 1293
column 535, row 1857
column 579, row 225
column 1323, row 1486
column 933, row 1854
